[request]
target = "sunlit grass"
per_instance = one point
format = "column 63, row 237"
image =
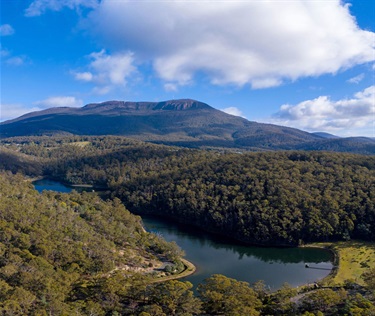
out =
column 80, row 144
column 354, row 258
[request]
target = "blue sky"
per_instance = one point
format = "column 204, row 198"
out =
column 307, row 64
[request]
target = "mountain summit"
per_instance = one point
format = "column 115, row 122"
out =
column 171, row 105
column 182, row 122
column 117, row 108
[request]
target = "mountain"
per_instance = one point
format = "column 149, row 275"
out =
column 182, row 122
column 325, row 135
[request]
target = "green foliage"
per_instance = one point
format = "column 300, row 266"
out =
column 60, row 249
column 359, row 305
column 369, row 278
column 67, row 254
column 174, row 298
column 324, row 300
column 225, row 296
column 272, row 198
column 263, row 198
column 280, row 302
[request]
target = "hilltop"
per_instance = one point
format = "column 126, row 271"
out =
column 183, row 122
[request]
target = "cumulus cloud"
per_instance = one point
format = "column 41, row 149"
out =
column 233, row 111
column 39, row 7
column 324, row 114
column 357, row 79
column 108, row 70
column 6, row 30
column 257, row 43
column 59, row 101
column 84, row 76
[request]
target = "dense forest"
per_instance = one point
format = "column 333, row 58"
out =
column 263, row 198
column 268, row 198
column 75, row 254
column 55, row 249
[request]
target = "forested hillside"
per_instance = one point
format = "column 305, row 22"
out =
column 264, row 198
column 59, row 253
column 65, row 254
column 271, row 198
column 75, row 254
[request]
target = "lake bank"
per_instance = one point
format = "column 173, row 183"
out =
column 212, row 254
column 352, row 259
column 49, row 183
column 189, row 270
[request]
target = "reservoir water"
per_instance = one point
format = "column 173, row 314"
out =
column 51, row 185
column 216, row 255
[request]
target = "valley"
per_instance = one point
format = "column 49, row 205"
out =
column 270, row 199
column 187, row 158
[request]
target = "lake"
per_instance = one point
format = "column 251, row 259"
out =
column 215, row 255
column 51, row 185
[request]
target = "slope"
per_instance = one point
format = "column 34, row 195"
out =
column 182, row 122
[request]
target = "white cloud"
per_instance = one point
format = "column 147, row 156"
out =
column 6, row 30
column 102, row 90
column 15, row 61
column 7, row 58
column 107, row 71
column 59, row 101
column 257, row 43
column 357, row 79
column 83, row 76
column 170, row 87
column 324, row 114
column 11, row 111
column 38, row 7
column 4, row 53
column 233, row 111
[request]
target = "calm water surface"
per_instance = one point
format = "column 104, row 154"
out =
column 214, row 255
column 51, row 185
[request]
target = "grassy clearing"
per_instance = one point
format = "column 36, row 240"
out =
column 353, row 259
column 80, row 144
column 189, row 269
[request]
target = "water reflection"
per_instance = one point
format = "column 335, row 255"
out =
column 51, row 185
column 212, row 254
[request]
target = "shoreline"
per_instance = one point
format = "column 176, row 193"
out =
column 350, row 260
column 335, row 261
column 190, row 268
column 86, row 186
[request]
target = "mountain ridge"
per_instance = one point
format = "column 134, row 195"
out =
column 181, row 122
column 116, row 107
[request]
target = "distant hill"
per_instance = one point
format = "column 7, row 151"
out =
column 325, row 135
column 182, row 122
column 350, row 144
